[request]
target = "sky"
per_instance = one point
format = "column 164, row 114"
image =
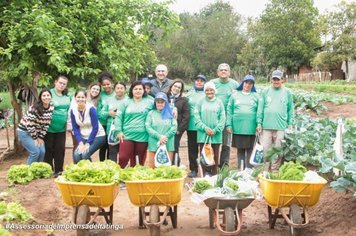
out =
column 247, row 8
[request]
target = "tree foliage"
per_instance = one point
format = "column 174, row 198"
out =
column 339, row 34
column 205, row 40
column 287, row 34
column 78, row 37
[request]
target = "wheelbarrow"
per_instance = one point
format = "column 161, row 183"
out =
column 291, row 199
column 81, row 196
column 231, row 211
column 152, row 194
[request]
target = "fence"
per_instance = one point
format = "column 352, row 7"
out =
column 310, row 77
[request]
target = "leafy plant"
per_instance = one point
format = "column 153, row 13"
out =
column 201, row 185
column 13, row 212
column 92, row 172
column 41, row 170
column 20, row 174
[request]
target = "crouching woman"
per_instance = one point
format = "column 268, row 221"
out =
column 87, row 130
column 34, row 125
column 161, row 128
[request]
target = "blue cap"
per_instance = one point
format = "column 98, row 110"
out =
column 166, row 112
column 201, row 77
column 146, row 81
column 248, row 78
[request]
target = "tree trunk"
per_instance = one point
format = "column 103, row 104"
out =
column 17, row 114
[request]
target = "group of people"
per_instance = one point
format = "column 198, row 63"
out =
column 157, row 112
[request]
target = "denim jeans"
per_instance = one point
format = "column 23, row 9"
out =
column 36, row 153
column 96, row 145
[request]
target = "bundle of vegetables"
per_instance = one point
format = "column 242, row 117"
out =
column 13, row 212
column 92, row 172
column 23, row 174
column 227, row 183
column 41, row 170
column 289, row 171
column 145, row 173
column 201, row 185
column 20, row 174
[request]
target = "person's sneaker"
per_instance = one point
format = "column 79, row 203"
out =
column 55, row 175
column 122, row 186
column 193, row 174
column 207, row 174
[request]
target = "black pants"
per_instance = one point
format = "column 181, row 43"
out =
column 104, row 150
column 177, row 138
column 113, row 151
column 55, row 150
column 193, row 150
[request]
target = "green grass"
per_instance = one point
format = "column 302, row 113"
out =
column 6, row 103
column 325, row 87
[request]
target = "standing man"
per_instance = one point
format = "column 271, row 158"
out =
column 161, row 83
column 274, row 115
column 225, row 86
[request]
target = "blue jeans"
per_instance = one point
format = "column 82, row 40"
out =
column 36, row 153
column 96, row 145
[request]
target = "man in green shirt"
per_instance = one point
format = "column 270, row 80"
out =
column 275, row 115
column 225, row 86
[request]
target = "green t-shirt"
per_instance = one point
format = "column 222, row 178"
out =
column 103, row 101
column 113, row 103
column 210, row 113
column 131, row 117
column 276, row 109
column 59, row 118
column 193, row 98
column 156, row 127
column 242, row 113
column 225, row 89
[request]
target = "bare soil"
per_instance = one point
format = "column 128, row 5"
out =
column 335, row 213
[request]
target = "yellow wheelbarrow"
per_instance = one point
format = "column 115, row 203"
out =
column 152, row 194
column 292, row 199
column 81, row 196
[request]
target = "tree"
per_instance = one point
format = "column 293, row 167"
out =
column 339, row 34
column 205, row 40
column 79, row 38
column 288, row 37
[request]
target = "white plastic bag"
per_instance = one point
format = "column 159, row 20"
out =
column 112, row 136
column 207, row 153
column 256, row 157
column 162, row 157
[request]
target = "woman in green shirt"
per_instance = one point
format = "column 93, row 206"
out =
column 109, row 111
column 55, row 138
column 242, row 119
column 210, row 122
column 161, row 127
column 106, row 81
column 130, row 125
column 193, row 96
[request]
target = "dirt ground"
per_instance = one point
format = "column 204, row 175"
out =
column 335, row 214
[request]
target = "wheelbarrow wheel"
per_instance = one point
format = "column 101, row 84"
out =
column 155, row 230
column 83, row 217
column 229, row 219
column 296, row 217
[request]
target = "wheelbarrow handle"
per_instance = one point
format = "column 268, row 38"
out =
column 148, row 224
column 239, row 222
column 306, row 218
